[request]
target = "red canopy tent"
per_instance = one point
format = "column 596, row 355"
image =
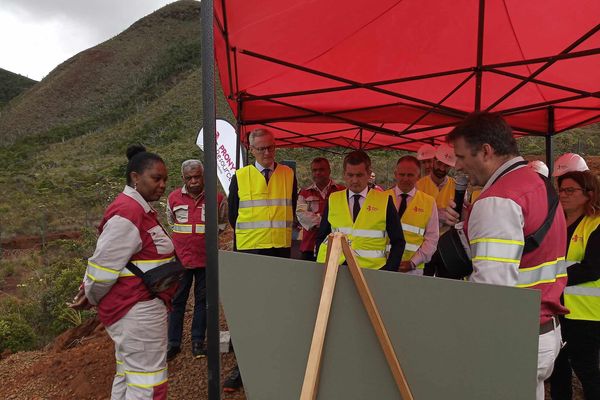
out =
column 392, row 73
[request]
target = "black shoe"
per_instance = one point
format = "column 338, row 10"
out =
column 198, row 350
column 172, row 352
column 233, row 381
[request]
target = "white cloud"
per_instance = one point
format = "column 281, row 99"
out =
column 37, row 35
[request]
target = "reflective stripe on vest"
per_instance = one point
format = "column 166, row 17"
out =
column 265, row 203
column 120, row 368
column 367, row 235
column 187, row 228
column 265, row 214
column 263, row 224
column 583, row 300
column 145, row 265
column 101, row 274
column 501, row 250
column 547, row 272
column 146, row 379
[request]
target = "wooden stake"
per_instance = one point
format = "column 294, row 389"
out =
column 311, row 376
column 377, row 322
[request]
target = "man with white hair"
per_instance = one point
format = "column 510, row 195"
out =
column 186, row 216
column 262, row 201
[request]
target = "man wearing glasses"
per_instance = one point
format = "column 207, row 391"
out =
column 512, row 206
column 262, row 200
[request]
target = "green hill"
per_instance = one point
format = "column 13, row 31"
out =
column 12, row 85
column 62, row 142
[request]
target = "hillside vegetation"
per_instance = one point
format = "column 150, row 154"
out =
column 12, row 85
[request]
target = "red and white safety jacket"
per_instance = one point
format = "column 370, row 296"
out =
column 186, row 218
column 129, row 231
column 513, row 207
column 310, row 207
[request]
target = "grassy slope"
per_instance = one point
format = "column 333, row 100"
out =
column 64, row 140
column 12, row 85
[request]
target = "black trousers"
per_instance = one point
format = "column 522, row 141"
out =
column 582, row 355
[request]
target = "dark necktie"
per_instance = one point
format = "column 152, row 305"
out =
column 356, row 207
column 267, row 173
column 402, row 207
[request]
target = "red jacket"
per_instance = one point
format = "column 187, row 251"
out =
column 316, row 204
column 187, row 224
column 127, row 290
column 512, row 208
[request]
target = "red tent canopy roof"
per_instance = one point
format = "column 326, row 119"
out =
column 393, row 73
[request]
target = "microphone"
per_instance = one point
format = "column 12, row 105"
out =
column 459, row 193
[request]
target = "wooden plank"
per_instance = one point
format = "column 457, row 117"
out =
column 310, row 385
column 377, row 322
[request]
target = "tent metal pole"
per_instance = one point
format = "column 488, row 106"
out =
column 238, row 136
column 549, row 138
column 210, row 176
column 478, row 71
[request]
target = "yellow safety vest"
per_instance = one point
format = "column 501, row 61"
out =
column 475, row 195
column 265, row 214
column 583, row 300
column 414, row 221
column 443, row 197
column 367, row 235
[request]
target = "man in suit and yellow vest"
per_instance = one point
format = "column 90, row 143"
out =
column 368, row 218
column 438, row 184
column 262, row 200
column 418, row 215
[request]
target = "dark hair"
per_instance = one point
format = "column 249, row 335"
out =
column 409, row 158
column 589, row 183
column 320, row 160
column 357, row 157
column 483, row 127
column 139, row 160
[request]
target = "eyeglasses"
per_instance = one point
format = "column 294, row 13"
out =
column 271, row 148
column 569, row 190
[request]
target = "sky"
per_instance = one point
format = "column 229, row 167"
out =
column 38, row 35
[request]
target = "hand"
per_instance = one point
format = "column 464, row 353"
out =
column 406, row 266
column 448, row 216
column 80, row 302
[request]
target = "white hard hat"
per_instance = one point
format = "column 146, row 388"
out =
column 445, row 154
column 569, row 162
column 426, row 152
column 539, row 166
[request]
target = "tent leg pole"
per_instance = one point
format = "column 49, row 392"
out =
column 549, row 138
column 210, row 176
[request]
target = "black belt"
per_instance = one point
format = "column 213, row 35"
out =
column 549, row 325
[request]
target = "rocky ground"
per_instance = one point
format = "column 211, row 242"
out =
column 80, row 365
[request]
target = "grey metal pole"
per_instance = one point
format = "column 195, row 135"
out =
column 210, row 177
column 549, row 137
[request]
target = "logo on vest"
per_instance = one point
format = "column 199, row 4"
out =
column 372, row 208
column 575, row 238
column 418, row 209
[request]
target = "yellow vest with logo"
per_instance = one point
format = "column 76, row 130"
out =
column 367, row 235
column 414, row 221
column 442, row 197
column 265, row 214
column 583, row 300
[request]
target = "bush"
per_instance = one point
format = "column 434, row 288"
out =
column 15, row 334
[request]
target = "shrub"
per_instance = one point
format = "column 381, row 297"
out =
column 15, row 334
